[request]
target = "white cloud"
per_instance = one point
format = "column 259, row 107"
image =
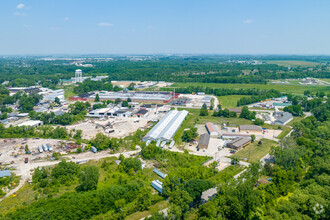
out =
column 20, row 6
column 149, row 27
column 105, row 24
column 20, row 14
column 247, row 21
column 26, row 26
column 66, row 19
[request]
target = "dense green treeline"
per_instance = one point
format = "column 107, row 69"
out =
column 299, row 187
column 40, row 132
column 225, row 91
column 257, row 95
column 77, row 112
column 89, row 85
column 26, row 102
column 203, row 69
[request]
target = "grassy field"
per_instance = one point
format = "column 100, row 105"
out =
column 326, row 80
column 293, row 63
column 230, row 101
column 155, row 208
column 26, row 195
column 296, row 89
column 68, row 92
column 253, row 152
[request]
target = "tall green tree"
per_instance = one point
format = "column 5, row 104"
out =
column 88, row 178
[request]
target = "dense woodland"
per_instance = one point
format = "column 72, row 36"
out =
column 207, row 69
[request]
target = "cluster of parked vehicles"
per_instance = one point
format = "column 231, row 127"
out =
column 162, row 144
column 45, row 147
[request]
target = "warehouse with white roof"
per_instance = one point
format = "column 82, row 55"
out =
column 166, row 128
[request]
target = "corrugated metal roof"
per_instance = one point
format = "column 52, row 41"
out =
column 204, row 140
column 167, row 126
column 210, row 127
column 250, row 127
column 239, row 142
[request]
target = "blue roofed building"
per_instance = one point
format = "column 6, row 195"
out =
column 5, row 173
column 157, row 185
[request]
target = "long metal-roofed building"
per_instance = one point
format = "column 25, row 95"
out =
column 147, row 97
column 167, row 126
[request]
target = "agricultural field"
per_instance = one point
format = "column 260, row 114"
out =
column 294, row 63
column 295, row 89
column 253, row 152
column 230, row 101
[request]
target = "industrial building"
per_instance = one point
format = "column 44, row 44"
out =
column 207, row 99
column 211, row 129
column 50, row 95
column 142, row 113
column 250, row 128
column 110, row 112
column 82, row 97
column 148, row 97
column 239, row 143
column 282, row 118
column 204, row 141
column 165, row 129
column 31, row 89
column 231, row 136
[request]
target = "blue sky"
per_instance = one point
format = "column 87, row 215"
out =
column 165, row 26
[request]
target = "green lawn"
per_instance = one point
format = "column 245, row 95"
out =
column 253, row 152
column 155, row 208
column 68, row 92
column 294, row 63
column 230, row 101
column 297, row 89
column 285, row 132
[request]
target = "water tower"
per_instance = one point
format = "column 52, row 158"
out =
column 78, row 76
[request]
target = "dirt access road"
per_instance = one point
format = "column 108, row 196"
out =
column 26, row 170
